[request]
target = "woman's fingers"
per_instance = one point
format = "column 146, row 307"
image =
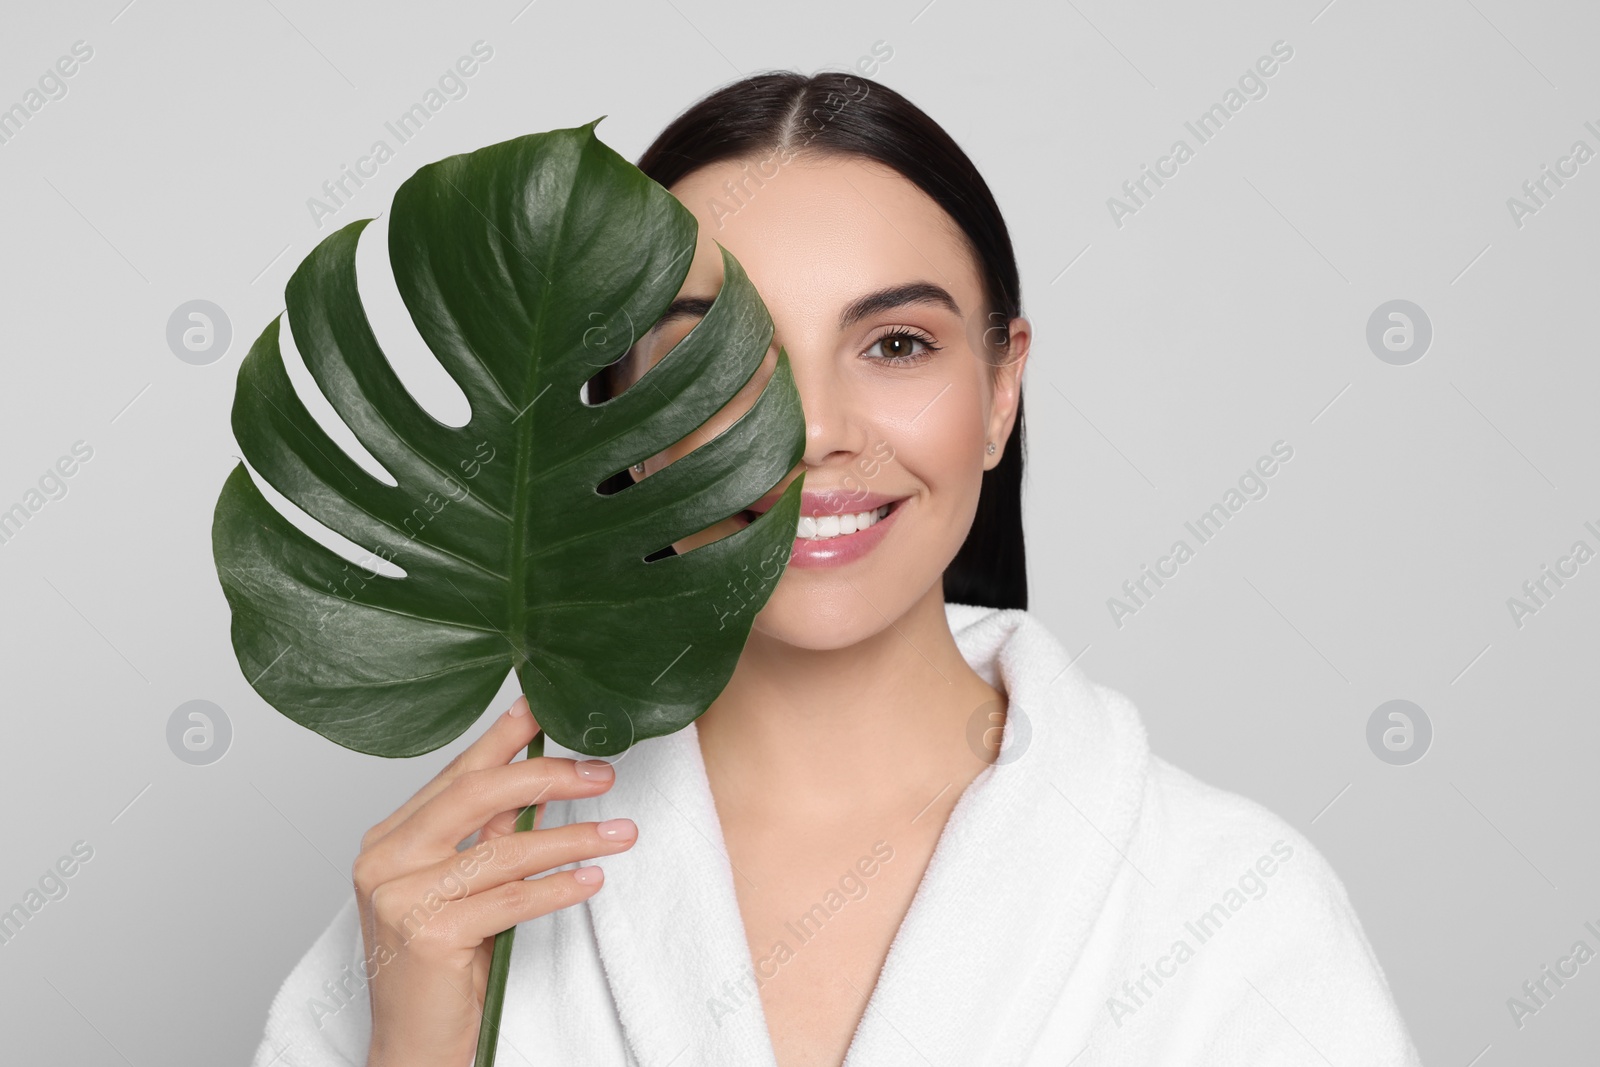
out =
column 467, row 922
column 507, row 736
column 486, row 914
column 523, row 854
column 430, row 910
column 474, row 798
column 487, row 888
column 506, row 822
column 468, row 802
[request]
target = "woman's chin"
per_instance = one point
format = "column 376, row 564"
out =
column 808, row 633
column 818, row 615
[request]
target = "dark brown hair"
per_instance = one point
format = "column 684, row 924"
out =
column 840, row 114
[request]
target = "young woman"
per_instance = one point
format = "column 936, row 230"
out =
column 909, row 831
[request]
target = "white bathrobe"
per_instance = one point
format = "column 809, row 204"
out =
column 1087, row 904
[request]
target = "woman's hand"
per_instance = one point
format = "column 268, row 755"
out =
column 429, row 913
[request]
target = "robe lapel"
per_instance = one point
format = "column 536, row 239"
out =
column 1013, row 888
column 1022, row 869
column 667, row 921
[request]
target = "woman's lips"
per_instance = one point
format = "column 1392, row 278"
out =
column 829, row 501
column 821, row 539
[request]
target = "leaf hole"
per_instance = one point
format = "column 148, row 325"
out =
column 414, row 363
column 335, row 542
column 310, row 394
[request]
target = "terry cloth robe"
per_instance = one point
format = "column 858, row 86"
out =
column 1086, row 903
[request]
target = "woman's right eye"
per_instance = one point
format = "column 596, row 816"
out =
column 898, row 347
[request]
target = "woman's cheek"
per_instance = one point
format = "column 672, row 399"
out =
column 943, row 446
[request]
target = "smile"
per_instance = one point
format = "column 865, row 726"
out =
column 828, row 527
column 828, row 535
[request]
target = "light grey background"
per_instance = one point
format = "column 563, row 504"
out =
column 1228, row 313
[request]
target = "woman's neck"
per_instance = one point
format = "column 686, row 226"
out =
column 819, row 733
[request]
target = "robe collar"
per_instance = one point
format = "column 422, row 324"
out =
column 1016, row 881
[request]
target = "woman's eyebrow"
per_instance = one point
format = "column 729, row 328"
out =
column 897, row 296
column 872, row 303
column 684, row 307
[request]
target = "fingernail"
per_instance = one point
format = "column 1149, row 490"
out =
column 590, row 875
column 519, row 708
column 617, row 829
column 595, row 770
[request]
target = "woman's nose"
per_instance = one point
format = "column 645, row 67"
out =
column 833, row 424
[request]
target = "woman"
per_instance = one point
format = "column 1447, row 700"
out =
column 909, row 831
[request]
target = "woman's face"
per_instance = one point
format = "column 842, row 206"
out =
column 876, row 299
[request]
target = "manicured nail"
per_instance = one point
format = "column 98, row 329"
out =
column 518, row 709
column 590, row 875
column 595, row 770
column 617, row 829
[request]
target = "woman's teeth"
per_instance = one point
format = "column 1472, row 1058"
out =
column 822, row 527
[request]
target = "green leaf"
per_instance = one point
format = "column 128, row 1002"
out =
column 526, row 266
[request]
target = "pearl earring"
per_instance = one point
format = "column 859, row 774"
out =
column 991, row 448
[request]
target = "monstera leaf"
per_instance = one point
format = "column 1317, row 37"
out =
column 526, row 267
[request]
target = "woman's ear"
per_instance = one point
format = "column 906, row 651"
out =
column 1008, row 387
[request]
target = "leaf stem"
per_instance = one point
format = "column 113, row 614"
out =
column 494, row 993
